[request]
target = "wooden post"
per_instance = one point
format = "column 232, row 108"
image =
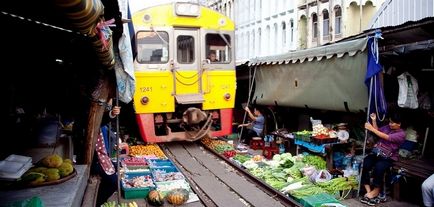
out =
column 96, row 111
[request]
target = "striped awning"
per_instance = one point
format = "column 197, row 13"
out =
column 87, row 17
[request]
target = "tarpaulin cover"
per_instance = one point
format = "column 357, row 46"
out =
column 335, row 84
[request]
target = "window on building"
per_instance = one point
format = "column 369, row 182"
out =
column 291, row 23
column 152, row 47
column 325, row 23
column 253, row 43
column 267, row 37
column 259, row 42
column 314, row 25
column 218, row 44
column 283, row 34
column 248, row 45
column 276, row 40
column 338, row 19
column 185, row 49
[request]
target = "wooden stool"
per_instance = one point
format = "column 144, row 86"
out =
column 269, row 152
column 256, row 143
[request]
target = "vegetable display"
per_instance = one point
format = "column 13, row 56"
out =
column 177, row 196
column 155, row 198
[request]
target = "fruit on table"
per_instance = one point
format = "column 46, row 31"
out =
column 155, row 198
column 33, row 178
column 65, row 169
column 52, row 161
column 177, row 196
column 68, row 161
column 52, row 174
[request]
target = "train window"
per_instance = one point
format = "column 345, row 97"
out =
column 218, row 48
column 185, row 49
column 152, row 47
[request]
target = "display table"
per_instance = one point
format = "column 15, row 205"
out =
column 323, row 149
column 67, row 194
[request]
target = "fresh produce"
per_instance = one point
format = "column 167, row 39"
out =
column 52, row 161
column 155, row 198
column 33, row 178
column 147, row 150
column 138, row 182
column 241, row 158
column 114, row 204
column 257, row 158
column 223, row 147
column 177, row 196
column 316, row 161
column 45, row 172
column 161, row 176
column 134, row 161
column 339, row 184
column 52, row 174
column 229, row 153
column 307, row 190
column 65, row 169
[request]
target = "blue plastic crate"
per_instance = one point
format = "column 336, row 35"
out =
column 160, row 163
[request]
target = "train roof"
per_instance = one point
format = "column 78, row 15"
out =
column 164, row 15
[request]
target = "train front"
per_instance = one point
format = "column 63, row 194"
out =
column 185, row 72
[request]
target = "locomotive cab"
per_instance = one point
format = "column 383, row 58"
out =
column 182, row 93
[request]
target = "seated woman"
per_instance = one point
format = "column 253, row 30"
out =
column 382, row 157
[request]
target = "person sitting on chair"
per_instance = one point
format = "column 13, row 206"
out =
column 383, row 155
column 257, row 124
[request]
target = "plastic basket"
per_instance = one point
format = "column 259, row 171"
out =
column 167, row 186
column 131, row 193
column 304, row 137
column 317, row 200
column 160, row 163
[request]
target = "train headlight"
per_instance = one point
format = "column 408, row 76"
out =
column 144, row 100
column 227, row 96
column 187, row 9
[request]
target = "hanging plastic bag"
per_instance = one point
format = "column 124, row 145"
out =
column 408, row 89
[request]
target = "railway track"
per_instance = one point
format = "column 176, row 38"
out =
column 220, row 182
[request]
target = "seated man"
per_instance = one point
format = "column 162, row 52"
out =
column 212, row 57
column 257, row 124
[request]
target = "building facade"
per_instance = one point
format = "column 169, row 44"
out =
column 272, row 27
column 324, row 21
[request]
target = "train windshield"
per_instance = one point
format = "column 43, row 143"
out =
column 218, row 48
column 152, row 47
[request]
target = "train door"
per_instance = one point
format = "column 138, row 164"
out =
column 187, row 72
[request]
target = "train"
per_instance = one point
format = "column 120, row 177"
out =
column 184, row 64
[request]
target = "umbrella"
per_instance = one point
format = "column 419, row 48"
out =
column 376, row 101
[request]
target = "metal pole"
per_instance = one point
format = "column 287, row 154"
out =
column 118, row 149
column 366, row 134
column 248, row 101
column 424, row 140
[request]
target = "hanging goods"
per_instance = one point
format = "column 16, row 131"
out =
column 408, row 89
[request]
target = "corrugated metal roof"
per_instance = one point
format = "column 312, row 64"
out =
column 327, row 51
column 396, row 12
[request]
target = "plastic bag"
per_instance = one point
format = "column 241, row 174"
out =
column 322, row 176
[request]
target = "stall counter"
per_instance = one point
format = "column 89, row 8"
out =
column 67, row 194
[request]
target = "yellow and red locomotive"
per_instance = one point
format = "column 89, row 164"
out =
column 185, row 72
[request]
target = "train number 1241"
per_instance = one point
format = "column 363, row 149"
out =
column 146, row 89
